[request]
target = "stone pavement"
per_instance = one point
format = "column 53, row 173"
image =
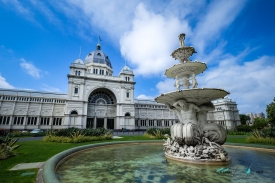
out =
column 23, row 166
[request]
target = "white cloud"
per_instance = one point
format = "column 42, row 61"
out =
column 29, row 68
column 50, row 89
column 148, row 45
column 251, row 84
column 145, row 97
column 4, row 83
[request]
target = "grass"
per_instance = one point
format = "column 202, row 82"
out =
column 40, row 151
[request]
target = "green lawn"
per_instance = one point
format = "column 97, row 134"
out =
column 39, row 151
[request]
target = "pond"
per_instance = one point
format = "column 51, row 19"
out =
column 145, row 162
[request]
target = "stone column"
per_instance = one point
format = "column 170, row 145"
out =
column 94, row 127
column 105, row 123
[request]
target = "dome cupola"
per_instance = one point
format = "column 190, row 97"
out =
column 98, row 57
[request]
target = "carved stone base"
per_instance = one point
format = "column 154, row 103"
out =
column 199, row 162
column 200, row 154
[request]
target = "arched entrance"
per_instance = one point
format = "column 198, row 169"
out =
column 101, row 109
column 73, row 116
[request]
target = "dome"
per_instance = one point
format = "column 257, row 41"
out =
column 97, row 56
column 126, row 69
column 78, row 61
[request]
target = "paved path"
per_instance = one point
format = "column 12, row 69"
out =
column 29, row 139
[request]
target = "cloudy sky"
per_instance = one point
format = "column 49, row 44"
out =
column 40, row 39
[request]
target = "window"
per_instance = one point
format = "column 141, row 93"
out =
column 151, row 122
column 166, row 123
column 95, row 71
column 32, row 121
column 57, row 121
column 142, row 122
column 159, row 123
column 101, row 72
column 127, row 78
column 45, row 121
column 75, row 90
column 127, row 94
column 5, row 120
column 78, row 73
column 18, row 120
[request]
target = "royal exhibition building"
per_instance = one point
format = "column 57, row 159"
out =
column 96, row 99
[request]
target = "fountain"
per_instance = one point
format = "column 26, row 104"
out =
column 192, row 140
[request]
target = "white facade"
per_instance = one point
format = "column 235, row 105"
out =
column 226, row 113
column 95, row 99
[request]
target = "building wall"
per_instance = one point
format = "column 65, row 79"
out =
column 226, row 113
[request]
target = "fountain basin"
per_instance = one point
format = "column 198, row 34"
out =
column 144, row 161
column 185, row 69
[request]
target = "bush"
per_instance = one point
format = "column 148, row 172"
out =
column 40, row 134
column 269, row 132
column 259, row 123
column 157, row 133
column 258, row 137
column 7, row 146
column 88, row 132
column 232, row 132
column 243, row 128
column 75, row 140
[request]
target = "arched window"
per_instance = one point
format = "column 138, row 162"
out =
column 100, row 96
column 127, row 114
column 74, row 112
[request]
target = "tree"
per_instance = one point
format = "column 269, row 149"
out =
column 270, row 111
column 244, row 118
column 259, row 123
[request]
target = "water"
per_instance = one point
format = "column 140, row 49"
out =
column 147, row 163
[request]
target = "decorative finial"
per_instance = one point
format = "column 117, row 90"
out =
column 181, row 39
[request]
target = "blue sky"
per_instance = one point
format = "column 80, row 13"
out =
column 40, row 39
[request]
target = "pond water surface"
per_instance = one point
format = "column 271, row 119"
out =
column 147, row 163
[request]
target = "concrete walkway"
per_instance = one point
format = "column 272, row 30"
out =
column 23, row 166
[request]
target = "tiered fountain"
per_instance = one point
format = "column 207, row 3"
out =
column 193, row 139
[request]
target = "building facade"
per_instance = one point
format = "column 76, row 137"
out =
column 253, row 116
column 95, row 99
column 226, row 113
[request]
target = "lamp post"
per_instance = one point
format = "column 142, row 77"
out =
column 224, row 117
column 234, row 118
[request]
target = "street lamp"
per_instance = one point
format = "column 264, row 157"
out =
column 234, row 118
column 224, row 117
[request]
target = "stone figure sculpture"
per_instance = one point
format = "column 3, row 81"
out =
column 177, row 83
column 185, row 82
column 181, row 39
column 194, row 81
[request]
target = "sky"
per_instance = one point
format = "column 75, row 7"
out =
column 236, row 39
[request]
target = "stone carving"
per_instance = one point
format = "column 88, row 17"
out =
column 194, row 81
column 181, row 39
column 5, row 111
column 192, row 139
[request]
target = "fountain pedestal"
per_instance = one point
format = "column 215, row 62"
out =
column 193, row 139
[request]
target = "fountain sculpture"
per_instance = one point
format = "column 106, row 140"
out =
column 192, row 139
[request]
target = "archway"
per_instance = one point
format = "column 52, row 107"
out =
column 101, row 109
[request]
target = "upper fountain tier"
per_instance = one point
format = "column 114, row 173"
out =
column 185, row 68
column 184, row 52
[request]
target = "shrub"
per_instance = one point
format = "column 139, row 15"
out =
column 269, row 132
column 7, row 146
column 258, row 137
column 157, row 133
column 243, row 128
column 259, row 123
column 16, row 133
column 75, row 140
column 153, row 131
column 232, row 132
